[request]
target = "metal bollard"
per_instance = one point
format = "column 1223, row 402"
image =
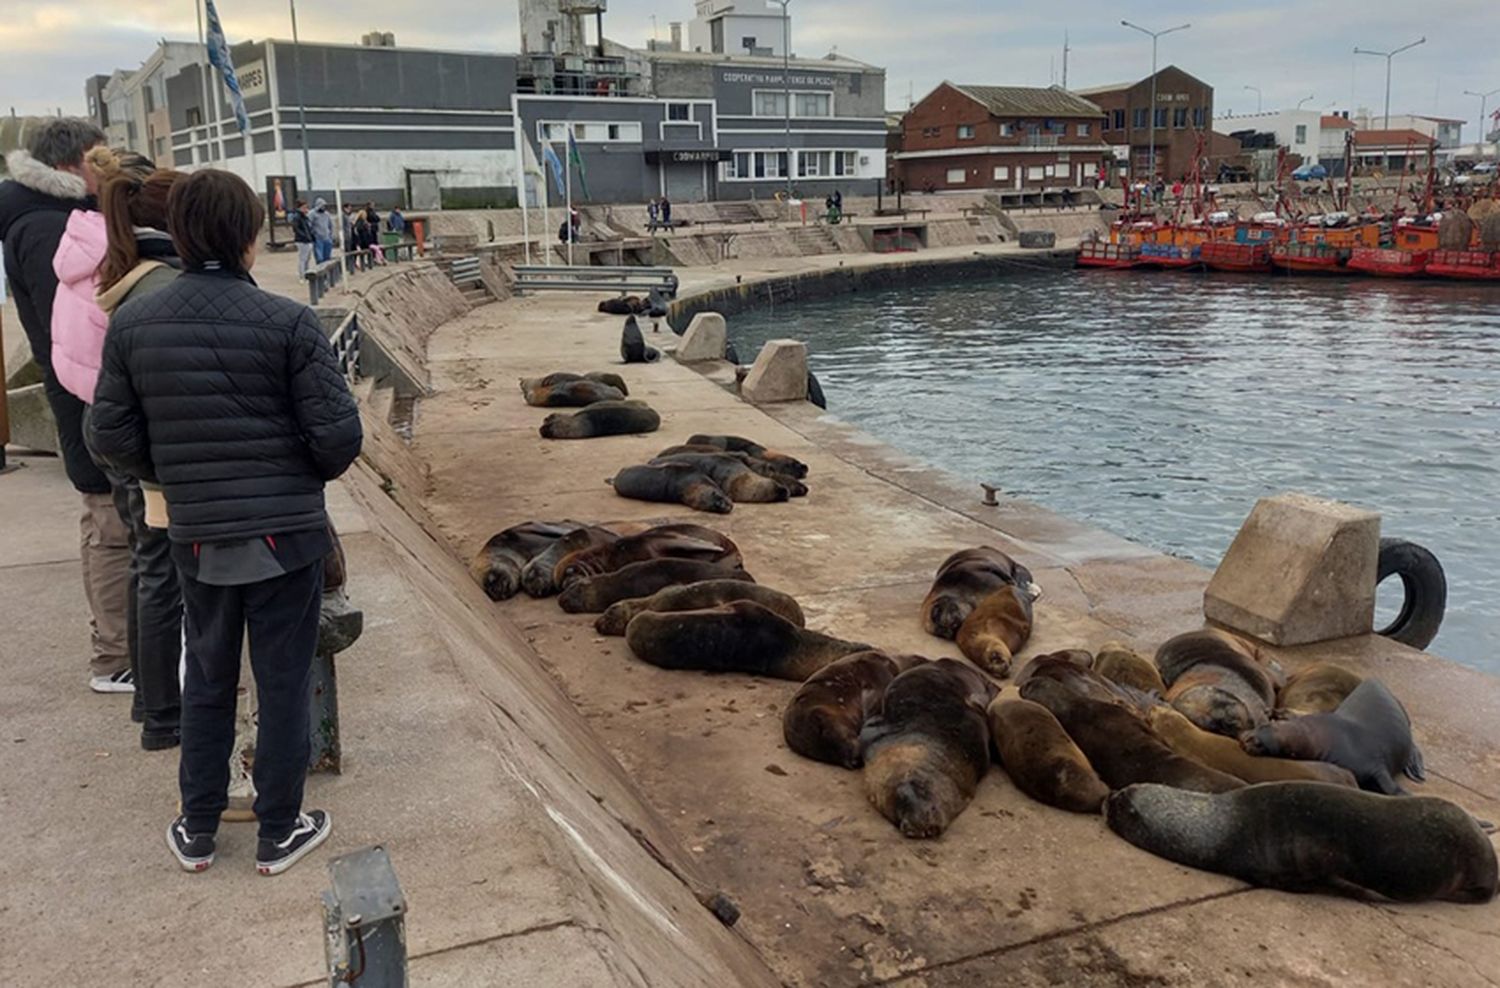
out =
column 364, row 922
column 339, row 627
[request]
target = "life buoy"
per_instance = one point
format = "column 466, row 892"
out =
column 1426, row 592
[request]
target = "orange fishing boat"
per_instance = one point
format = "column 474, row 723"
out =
column 1469, row 265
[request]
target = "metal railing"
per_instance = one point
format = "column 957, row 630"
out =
column 594, row 278
column 325, row 277
column 464, row 270
column 345, row 342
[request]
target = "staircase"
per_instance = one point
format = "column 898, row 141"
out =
column 737, row 212
column 811, row 240
column 463, row 271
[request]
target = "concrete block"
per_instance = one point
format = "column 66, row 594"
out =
column 1038, row 238
column 31, row 423
column 1301, row 570
column 705, row 339
column 779, row 373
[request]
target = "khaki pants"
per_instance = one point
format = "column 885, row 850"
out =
column 105, row 545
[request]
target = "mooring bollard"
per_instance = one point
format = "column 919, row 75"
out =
column 339, row 627
column 364, row 921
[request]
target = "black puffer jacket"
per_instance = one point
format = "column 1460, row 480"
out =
column 231, row 399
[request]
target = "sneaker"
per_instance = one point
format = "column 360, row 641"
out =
column 160, row 740
column 195, row 852
column 120, row 682
column 275, row 856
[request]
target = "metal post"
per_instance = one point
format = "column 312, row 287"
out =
column 204, row 69
column 1484, row 99
column 364, row 920
column 4, row 398
column 1388, row 55
column 786, row 84
column 1256, row 91
column 1151, row 120
column 301, row 107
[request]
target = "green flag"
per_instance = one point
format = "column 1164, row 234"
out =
column 577, row 161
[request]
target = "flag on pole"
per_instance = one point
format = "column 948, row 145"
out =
column 577, row 161
column 218, row 57
column 554, row 163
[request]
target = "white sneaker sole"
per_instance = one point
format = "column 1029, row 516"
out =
column 278, row 867
column 192, row 865
column 110, row 686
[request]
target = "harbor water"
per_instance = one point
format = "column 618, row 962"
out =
column 1161, row 406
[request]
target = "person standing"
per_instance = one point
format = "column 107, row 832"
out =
column 242, row 440
column 322, row 231
column 302, row 236
column 49, row 180
column 666, row 213
column 396, row 221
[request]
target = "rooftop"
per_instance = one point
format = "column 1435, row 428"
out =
column 830, row 62
column 1030, row 101
column 1392, row 138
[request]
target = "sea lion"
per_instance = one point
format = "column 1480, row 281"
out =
column 1121, row 748
column 996, row 629
column 824, row 719
column 1080, row 657
column 733, row 477
column 1369, row 734
column 1041, row 759
column 642, row 579
column 1316, row 689
column 603, row 418
column 1119, row 663
column 1069, row 668
column 672, row 483
column 740, row 636
column 681, row 541
column 498, row 567
column 964, row 579
column 1311, row 837
column 1226, row 755
column 633, row 348
column 563, row 390
column 624, row 305
column 738, row 444
column 699, row 596
column 927, row 748
column 538, row 575
column 775, row 469
column 1216, row 681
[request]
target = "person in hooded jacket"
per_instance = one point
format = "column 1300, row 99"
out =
column 322, row 230
column 48, row 181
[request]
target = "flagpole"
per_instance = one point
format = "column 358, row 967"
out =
column 568, row 174
column 523, row 166
column 208, row 135
column 546, row 220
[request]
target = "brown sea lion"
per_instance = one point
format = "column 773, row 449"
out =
column 1080, row 657
column 594, row 595
column 996, row 629
column 573, row 392
column 679, row 541
column 1068, row 668
column 1226, row 755
column 1312, row 837
column 1121, row 748
column 1119, row 663
column 699, row 596
column 823, row 720
column 775, row 469
column 740, row 636
column 1216, row 681
column 1369, row 734
column 499, row 565
column 737, row 444
column 927, row 748
column 538, row 575
column 1041, row 759
column 624, row 305
column 672, row 483
column 964, row 579
column 1316, row 689
column 733, row 477
column 603, row 418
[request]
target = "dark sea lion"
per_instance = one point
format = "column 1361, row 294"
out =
column 672, row 483
column 927, row 748
column 1041, row 759
column 699, row 596
column 537, row 578
column 1316, row 689
column 1226, row 755
column 498, row 567
column 996, row 629
column 594, row 595
column 740, row 636
column 1068, row 668
column 733, row 477
column 567, row 394
column 603, row 418
column 633, row 348
column 775, row 469
column 679, row 541
column 964, row 579
column 1119, row 663
column 1216, row 681
column 1369, row 734
column 823, row 721
column 624, row 305
column 1312, row 837
column 1121, row 748
column 1080, row 657
column 738, row 444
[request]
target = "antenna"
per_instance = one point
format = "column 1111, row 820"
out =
column 1065, row 60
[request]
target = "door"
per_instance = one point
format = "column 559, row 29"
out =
column 424, row 191
column 686, row 182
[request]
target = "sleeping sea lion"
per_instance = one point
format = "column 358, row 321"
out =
column 642, row 579
column 624, row 305
column 927, row 748
column 699, row 596
column 1080, row 657
column 672, row 483
column 1119, row 663
column 740, row 636
column 1121, row 748
column 499, row 565
column 1041, row 759
column 1068, row 668
column 824, row 719
column 563, row 390
column 1226, row 755
column 733, row 477
column 681, row 541
column 538, row 576
column 964, row 579
column 1216, row 681
column 1369, row 734
column 775, row 469
column 633, row 348
column 603, row 418
column 738, row 444
column 996, row 629
column 1311, row 837
column 1315, row 689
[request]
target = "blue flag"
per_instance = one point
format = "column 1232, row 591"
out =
column 577, row 161
column 218, row 57
column 554, row 163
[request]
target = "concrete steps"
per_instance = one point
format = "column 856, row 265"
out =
column 811, row 240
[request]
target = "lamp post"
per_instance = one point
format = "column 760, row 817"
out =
column 301, row 107
column 1484, row 99
column 1153, row 35
column 1388, row 55
column 786, row 83
column 1305, row 99
column 1256, row 91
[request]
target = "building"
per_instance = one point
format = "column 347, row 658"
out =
column 1005, row 137
column 1299, row 131
column 1447, row 131
column 1333, row 136
column 727, row 27
column 130, row 106
column 1392, row 151
column 1184, row 108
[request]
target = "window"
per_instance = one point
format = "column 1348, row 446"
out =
column 593, row 133
column 1301, row 134
column 957, row 176
column 194, row 117
column 812, row 164
column 1179, row 117
column 161, row 146
column 932, row 131
column 1036, row 173
column 150, row 94
column 1083, row 130
column 677, row 111
column 966, row 132
column 1161, row 117
column 1006, row 130
column 846, row 162
column 1138, row 119
column 756, row 164
column 1199, row 115
column 769, row 103
column 812, row 104
column 1119, row 120
column 1002, row 173
column 580, row 132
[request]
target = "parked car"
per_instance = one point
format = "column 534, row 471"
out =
column 1486, row 168
column 1310, row 173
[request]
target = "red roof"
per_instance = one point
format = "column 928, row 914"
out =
column 1331, row 121
column 1393, row 138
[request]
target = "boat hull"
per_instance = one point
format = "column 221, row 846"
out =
column 1388, row 263
column 1467, row 265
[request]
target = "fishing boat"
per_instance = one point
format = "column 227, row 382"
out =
column 1172, row 256
column 1388, row 262
column 1297, row 257
column 1237, row 257
column 1470, row 265
column 1108, row 254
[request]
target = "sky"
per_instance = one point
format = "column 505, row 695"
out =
column 1287, row 49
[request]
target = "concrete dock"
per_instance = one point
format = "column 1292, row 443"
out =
column 557, row 809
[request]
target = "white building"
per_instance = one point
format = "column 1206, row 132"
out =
column 1447, row 131
column 131, row 105
column 728, row 27
column 1299, row 131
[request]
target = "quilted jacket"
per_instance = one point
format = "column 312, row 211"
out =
column 78, row 324
column 230, row 398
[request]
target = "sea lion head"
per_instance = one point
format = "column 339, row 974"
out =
column 920, row 812
column 1216, row 710
column 579, row 566
column 555, row 426
column 825, row 732
column 575, row 599
column 502, row 579
column 704, row 495
column 947, row 614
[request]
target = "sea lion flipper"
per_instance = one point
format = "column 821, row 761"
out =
column 1383, row 783
column 1415, row 770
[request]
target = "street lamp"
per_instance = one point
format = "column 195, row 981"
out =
column 1388, row 55
column 1256, row 91
column 1484, row 99
column 1305, row 99
column 786, row 83
column 1153, row 35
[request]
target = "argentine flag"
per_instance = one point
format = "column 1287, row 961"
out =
column 218, row 57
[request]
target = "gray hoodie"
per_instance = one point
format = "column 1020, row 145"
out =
column 322, row 223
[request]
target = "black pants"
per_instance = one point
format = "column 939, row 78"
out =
column 282, row 617
column 154, row 618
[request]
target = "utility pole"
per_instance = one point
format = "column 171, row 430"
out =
column 1484, row 99
column 1388, row 55
column 1065, row 60
column 786, row 82
column 1256, row 91
column 1153, row 35
column 1305, row 99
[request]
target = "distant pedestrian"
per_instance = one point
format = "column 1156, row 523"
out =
column 322, row 231
column 347, row 241
column 302, row 236
column 666, row 213
column 396, row 221
column 359, row 235
column 653, row 215
column 242, row 441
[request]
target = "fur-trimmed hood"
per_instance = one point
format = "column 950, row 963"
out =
column 45, row 179
column 34, row 187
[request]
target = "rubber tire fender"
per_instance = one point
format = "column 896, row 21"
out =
column 1426, row 588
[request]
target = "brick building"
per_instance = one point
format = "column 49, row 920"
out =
column 1184, row 106
column 999, row 137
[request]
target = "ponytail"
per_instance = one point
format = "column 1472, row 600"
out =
column 129, row 197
